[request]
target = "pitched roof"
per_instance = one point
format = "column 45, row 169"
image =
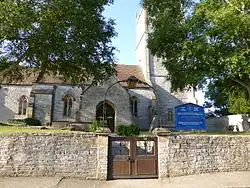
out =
column 123, row 72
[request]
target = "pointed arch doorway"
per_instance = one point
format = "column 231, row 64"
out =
column 110, row 114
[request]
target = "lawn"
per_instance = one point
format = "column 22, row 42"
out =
column 28, row 129
column 37, row 129
column 212, row 133
column 201, row 133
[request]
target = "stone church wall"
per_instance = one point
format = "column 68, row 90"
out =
column 60, row 92
column 75, row 154
column 42, row 102
column 144, row 101
column 117, row 95
column 9, row 100
column 42, row 109
column 155, row 72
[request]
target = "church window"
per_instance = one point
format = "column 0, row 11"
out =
column 134, row 103
column 170, row 114
column 23, row 105
column 68, row 104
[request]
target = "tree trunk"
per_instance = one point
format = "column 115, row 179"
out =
column 40, row 76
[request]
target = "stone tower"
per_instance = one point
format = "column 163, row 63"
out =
column 155, row 74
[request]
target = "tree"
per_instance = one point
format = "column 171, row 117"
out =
column 59, row 37
column 210, row 39
column 217, row 95
column 226, row 97
column 203, row 41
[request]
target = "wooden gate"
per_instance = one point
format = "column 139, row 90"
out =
column 133, row 157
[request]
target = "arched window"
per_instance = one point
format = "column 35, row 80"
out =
column 134, row 103
column 68, row 104
column 23, row 105
column 170, row 114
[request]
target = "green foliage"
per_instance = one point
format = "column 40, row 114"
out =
column 238, row 102
column 28, row 129
column 21, row 122
column 95, row 125
column 13, row 122
column 69, row 38
column 217, row 93
column 120, row 130
column 209, row 39
column 131, row 130
column 32, row 122
column 201, row 41
column 227, row 97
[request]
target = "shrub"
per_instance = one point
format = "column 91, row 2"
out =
column 131, row 130
column 120, row 130
column 32, row 122
column 95, row 125
column 13, row 122
column 21, row 122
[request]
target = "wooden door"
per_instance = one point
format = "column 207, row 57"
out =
column 133, row 157
column 109, row 117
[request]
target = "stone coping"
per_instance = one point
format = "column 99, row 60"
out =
column 204, row 135
column 79, row 133
column 66, row 134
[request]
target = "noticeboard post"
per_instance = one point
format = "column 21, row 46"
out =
column 189, row 117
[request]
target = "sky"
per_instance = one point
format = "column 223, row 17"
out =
column 124, row 12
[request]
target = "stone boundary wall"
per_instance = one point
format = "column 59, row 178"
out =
column 85, row 155
column 72, row 154
column 197, row 154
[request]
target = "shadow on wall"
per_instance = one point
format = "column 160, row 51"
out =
column 166, row 101
column 230, row 122
column 217, row 124
column 143, row 115
column 44, row 115
column 5, row 112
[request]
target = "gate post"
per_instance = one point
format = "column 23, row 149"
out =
column 163, row 152
column 102, row 156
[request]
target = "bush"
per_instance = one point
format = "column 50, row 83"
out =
column 21, row 122
column 95, row 125
column 120, row 130
column 32, row 122
column 13, row 122
column 131, row 130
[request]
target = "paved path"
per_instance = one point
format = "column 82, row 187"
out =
column 220, row 180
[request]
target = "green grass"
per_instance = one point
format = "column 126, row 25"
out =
column 37, row 129
column 201, row 133
column 212, row 133
column 28, row 129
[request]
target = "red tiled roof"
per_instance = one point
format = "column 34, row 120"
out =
column 123, row 72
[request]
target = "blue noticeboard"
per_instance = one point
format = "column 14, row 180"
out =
column 189, row 117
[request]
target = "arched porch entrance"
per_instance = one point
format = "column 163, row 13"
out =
column 110, row 114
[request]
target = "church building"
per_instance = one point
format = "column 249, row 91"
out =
column 55, row 101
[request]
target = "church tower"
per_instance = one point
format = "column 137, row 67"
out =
column 155, row 73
